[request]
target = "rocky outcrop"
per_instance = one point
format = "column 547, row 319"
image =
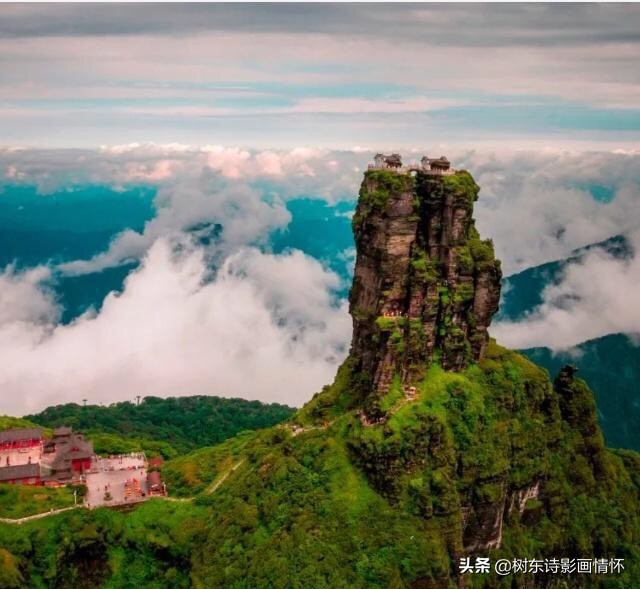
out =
column 521, row 497
column 425, row 284
column 483, row 528
column 483, row 524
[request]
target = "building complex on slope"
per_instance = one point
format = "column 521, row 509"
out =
column 26, row 457
column 67, row 457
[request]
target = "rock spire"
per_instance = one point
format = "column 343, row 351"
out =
column 425, row 285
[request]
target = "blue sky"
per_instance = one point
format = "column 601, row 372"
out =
column 526, row 75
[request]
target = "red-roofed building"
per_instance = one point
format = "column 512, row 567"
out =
column 19, row 439
column 155, row 486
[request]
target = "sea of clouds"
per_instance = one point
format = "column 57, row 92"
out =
column 227, row 316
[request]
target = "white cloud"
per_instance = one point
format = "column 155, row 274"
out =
column 597, row 296
column 230, row 162
column 291, row 172
column 539, row 206
column 25, row 296
column 266, row 328
column 202, row 204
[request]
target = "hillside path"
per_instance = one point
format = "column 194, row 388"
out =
column 216, row 485
column 22, row 520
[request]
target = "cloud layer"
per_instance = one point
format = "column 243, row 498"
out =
column 266, row 327
column 537, row 205
column 595, row 297
column 210, row 310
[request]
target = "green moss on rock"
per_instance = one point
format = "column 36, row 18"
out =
column 463, row 184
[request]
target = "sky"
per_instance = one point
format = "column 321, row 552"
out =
column 328, row 75
column 192, row 170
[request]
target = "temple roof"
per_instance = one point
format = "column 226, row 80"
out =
column 395, row 159
column 20, row 471
column 441, row 162
column 19, row 434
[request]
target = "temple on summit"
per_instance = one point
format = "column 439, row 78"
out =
column 427, row 165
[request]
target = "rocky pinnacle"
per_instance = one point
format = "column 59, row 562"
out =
column 425, row 285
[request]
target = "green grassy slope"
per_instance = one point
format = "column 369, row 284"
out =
column 8, row 422
column 17, row 501
column 350, row 506
column 342, row 505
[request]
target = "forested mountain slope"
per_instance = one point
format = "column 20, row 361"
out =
column 185, row 423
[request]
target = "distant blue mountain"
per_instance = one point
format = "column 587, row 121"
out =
column 322, row 231
column 610, row 364
column 67, row 225
column 522, row 292
column 80, row 223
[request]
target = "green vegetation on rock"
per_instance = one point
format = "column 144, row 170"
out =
column 376, row 190
column 462, row 183
column 611, row 366
column 425, row 268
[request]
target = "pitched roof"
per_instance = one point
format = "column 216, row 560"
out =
column 20, row 471
column 18, row 434
column 441, row 162
column 75, row 448
column 394, row 159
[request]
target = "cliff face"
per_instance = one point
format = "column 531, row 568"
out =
column 425, row 285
